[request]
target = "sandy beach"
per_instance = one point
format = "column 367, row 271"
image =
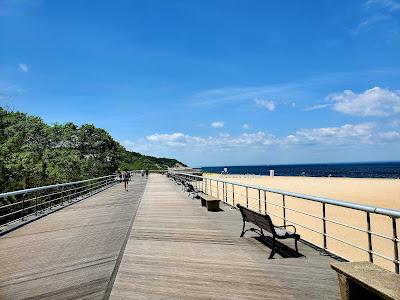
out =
column 375, row 192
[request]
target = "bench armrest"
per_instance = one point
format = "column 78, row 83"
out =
column 284, row 226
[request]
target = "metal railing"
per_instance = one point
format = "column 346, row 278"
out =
column 228, row 192
column 22, row 204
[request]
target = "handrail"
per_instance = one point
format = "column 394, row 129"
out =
column 40, row 188
column 367, row 208
column 207, row 187
column 28, row 204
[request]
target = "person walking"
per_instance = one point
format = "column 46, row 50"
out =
column 126, row 180
column 119, row 176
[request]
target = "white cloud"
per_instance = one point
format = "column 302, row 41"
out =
column 316, row 107
column 379, row 13
column 348, row 134
column 246, row 126
column 390, row 135
column 268, row 104
column 23, row 67
column 217, row 124
column 166, row 137
column 372, row 102
column 345, row 134
column 390, row 5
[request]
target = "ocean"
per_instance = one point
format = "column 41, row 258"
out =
column 352, row 170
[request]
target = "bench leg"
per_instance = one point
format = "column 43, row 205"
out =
column 244, row 224
column 295, row 244
column 273, row 249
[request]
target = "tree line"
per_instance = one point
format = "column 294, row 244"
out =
column 33, row 153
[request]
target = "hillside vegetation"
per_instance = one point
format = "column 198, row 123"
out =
column 33, row 153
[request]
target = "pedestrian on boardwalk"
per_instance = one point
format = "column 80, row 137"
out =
column 147, row 173
column 127, row 176
column 119, row 176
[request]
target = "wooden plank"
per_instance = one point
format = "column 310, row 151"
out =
column 72, row 253
column 177, row 250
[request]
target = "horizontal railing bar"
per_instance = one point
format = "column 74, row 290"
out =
column 320, row 218
column 46, row 195
column 347, row 204
column 8, row 194
column 79, row 191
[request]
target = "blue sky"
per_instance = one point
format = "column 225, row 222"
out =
column 212, row 82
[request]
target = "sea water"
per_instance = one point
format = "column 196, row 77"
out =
column 352, row 170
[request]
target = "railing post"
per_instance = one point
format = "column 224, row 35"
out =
column 247, row 197
column 223, row 190
column 371, row 259
column 265, row 202
column 259, row 201
column 23, row 208
column 324, row 224
column 233, row 194
column 210, row 187
column 284, row 210
column 226, row 192
column 395, row 246
column 217, row 190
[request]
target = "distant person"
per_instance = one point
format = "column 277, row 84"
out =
column 147, row 173
column 119, row 176
column 127, row 176
column 142, row 172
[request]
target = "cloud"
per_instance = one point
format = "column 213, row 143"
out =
column 372, row 102
column 177, row 138
column 328, row 137
column 316, row 107
column 4, row 97
column 390, row 135
column 246, row 126
column 379, row 12
column 247, row 93
column 23, row 67
column 268, row 104
column 390, row 5
column 217, row 124
column 345, row 134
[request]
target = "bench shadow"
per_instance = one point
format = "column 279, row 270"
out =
column 219, row 210
column 281, row 249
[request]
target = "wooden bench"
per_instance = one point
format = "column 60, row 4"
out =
column 210, row 202
column 264, row 222
column 365, row 280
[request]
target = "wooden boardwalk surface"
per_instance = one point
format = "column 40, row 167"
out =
column 71, row 253
column 178, row 250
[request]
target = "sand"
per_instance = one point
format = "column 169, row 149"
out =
column 375, row 192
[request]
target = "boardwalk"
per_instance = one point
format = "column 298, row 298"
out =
column 177, row 250
column 72, row 253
